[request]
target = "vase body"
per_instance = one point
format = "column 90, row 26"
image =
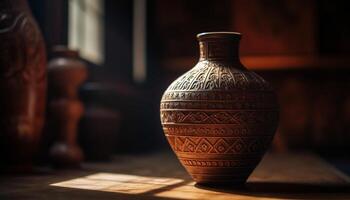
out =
column 22, row 84
column 219, row 117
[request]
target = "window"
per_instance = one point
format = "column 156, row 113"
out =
column 86, row 29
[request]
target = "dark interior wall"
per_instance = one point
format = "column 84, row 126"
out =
column 118, row 40
column 334, row 27
column 314, row 109
column 52, row 18
column 138, row 104
column 178, row 21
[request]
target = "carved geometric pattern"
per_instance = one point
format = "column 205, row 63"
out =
column 211, row 76
column 221, row 146
column 234, row 95
column 218, row 116
column 203, row 146
column 218, row 163
column 217, row 145
column 245, row 104
column 218, row 130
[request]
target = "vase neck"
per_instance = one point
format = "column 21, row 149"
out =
column 220, row 46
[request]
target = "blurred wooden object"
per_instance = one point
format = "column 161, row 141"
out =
column 99, row 127
column 22, row 85
column 66, row 74
column 279, row 176
column 99, row 132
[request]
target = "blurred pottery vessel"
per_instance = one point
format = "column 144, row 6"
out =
column 22, row 85
column 66, row 73
column 219, row 117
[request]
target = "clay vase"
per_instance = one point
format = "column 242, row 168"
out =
column 66, row 74
column 22, row 85
column 219, row 117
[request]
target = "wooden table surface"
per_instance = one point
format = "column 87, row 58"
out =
column 160, row 176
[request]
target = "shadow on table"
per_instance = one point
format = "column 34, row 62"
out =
column 285, row 190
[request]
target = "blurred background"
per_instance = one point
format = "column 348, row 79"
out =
column 135, row 49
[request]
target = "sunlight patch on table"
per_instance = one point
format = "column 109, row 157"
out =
column 119, row 183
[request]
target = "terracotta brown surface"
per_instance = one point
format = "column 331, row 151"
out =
column 22, row 85
column 219, row 118
column 66, row 73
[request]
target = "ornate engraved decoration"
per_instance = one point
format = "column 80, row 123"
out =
column 219, row 118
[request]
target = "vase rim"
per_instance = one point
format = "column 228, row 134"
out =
column 219, row 34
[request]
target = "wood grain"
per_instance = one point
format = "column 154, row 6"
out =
column 160, row 176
